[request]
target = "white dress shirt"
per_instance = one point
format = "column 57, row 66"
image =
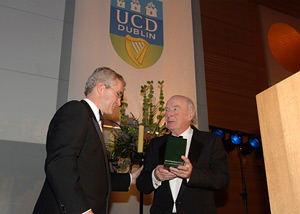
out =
column 95, row 111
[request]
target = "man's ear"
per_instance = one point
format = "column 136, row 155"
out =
column 100, row 87
column 190, row 115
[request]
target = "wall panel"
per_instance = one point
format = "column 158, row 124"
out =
column 235, row 73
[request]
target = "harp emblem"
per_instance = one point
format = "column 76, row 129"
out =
column 136, row 49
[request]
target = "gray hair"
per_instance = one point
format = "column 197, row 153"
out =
column 192, row 108
column 105, row 75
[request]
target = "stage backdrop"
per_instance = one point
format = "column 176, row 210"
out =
column 141, row 40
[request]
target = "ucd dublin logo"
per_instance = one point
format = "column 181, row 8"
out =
column 136, row 31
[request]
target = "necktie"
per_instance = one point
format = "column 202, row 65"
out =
column 101, row 118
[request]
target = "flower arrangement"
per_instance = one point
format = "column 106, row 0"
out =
column 125, row 136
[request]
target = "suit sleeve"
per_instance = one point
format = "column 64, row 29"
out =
column 120, row 182
column 212, row 173
column 66, row 135
column 152, row 155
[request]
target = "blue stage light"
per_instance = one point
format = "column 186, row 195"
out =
column 254, row 142
column 236, row 139
column 219, row 132
column 250, row 145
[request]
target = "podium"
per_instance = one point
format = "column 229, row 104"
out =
column 279, row 120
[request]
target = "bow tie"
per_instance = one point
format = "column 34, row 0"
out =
column 178, row 136
column 101, row 118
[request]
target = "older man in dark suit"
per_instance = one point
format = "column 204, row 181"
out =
column 188, row 188
column 78, row 179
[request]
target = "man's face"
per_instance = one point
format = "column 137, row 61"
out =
column 178, row 116
column 112, row 97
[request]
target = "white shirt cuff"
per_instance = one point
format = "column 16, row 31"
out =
column 155, row 182
column 87, row 211
column 130, row 180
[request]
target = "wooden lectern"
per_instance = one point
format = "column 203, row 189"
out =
column 279, row 120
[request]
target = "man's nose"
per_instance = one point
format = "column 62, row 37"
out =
column 119, row 102
column 169, row 113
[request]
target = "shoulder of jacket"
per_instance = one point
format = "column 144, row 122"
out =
column 161, row 138
column 73, row 106
column 71, row 103
column 203, row 134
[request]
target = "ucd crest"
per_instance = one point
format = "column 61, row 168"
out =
column 136, row 31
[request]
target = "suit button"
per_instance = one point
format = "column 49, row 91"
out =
column 178, row 203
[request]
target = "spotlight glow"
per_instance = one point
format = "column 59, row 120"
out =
column 219, row 132
column 236, row 139
column 254, row 142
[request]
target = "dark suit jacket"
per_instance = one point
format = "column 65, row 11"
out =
column 77, row 172
column 209, row 173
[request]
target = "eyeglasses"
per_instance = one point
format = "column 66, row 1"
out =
column 117, row 93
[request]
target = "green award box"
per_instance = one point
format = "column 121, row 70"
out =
column 174, row 149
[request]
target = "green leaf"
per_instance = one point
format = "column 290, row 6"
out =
column 125, row 138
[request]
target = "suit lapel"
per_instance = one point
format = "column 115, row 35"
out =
column 102, row 142
column 96, row 124
column 194, row 155
column 195, row 147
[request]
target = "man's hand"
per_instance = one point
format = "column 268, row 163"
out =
column 184, row 171
column 136, row 174
column 162, row 174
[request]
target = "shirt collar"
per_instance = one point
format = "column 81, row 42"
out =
column 187, row 133
column 93, row 107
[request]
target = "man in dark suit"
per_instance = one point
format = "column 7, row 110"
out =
column 188, row 188
column 78, row 179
